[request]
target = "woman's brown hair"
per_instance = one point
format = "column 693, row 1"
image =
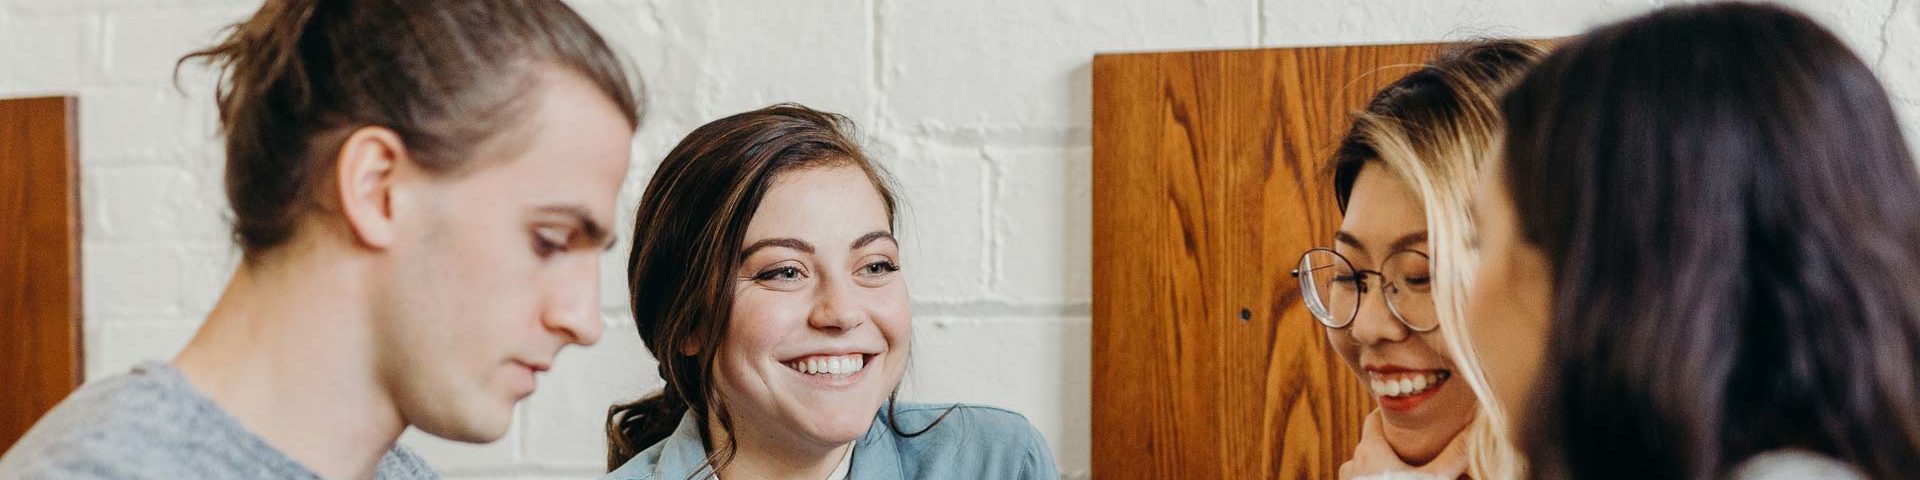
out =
column 687, row 238
column 450, row 77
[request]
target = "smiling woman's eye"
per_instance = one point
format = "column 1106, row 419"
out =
column 879, row 268
column 779, row 274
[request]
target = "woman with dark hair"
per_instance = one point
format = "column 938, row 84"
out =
column 766, row 282
column 1698, row 256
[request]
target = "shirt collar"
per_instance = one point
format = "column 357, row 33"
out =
column 682, row 453
column 875, row 454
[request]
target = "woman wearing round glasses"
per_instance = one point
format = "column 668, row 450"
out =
column 1391, row 287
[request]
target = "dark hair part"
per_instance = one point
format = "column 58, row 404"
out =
column 1445, row 101
column 1727, row 202
column 449, row 77
column 687, row 238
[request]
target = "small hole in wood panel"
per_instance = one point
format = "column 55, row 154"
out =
column 1246, row 314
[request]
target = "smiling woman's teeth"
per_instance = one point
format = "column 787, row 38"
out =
column 838, row 365
column 1406, row 384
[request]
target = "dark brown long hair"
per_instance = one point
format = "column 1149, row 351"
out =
column 686, row 244
column 1728, row 207
column 447, row 76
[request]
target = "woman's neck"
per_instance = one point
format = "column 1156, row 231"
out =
column 757, row 456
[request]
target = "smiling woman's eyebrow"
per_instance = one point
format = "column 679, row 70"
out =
column 1402, row 243
column 1348, row 238
column 1409, row 240
column 792, row 243
column 870, row 237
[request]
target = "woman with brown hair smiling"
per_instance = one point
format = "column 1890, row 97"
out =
column 766, row 281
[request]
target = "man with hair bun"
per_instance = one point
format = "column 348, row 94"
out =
column 421, row 193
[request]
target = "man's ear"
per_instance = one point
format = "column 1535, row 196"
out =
column 366, row 169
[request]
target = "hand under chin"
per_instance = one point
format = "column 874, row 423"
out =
column 1415, row 452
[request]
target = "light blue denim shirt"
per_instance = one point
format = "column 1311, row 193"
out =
column 974, row 442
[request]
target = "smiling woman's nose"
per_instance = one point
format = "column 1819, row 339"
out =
column 836, row 309
column 1374, row 323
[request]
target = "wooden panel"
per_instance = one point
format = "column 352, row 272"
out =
column 1209, row 180
column 39, row 261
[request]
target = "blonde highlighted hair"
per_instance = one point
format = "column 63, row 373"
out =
column 1436, row 129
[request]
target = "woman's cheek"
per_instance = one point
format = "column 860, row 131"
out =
column 1343, row 345
column 1434, row 341
column 762, row 317
column 894, row 310
column 1507, row 331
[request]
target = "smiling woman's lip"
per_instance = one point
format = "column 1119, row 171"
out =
column 1401, row 404
column 1391, row 368
column 1410, row 402
column 832, row 382
column 829, row 353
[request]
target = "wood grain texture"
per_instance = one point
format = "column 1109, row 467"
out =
column 40, row 360
column 1209, row 180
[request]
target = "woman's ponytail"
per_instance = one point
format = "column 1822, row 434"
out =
column 632, row 427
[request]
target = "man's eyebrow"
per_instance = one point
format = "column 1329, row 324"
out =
column 592, row 231
column 872, row 236
column 792, row 243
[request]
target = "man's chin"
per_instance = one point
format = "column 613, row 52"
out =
column 476, row 427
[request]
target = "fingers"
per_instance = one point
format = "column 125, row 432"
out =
column 1373, row 455
column 1371, row 428
column 1373, row 440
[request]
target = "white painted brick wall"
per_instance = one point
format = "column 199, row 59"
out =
column 980, row 107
